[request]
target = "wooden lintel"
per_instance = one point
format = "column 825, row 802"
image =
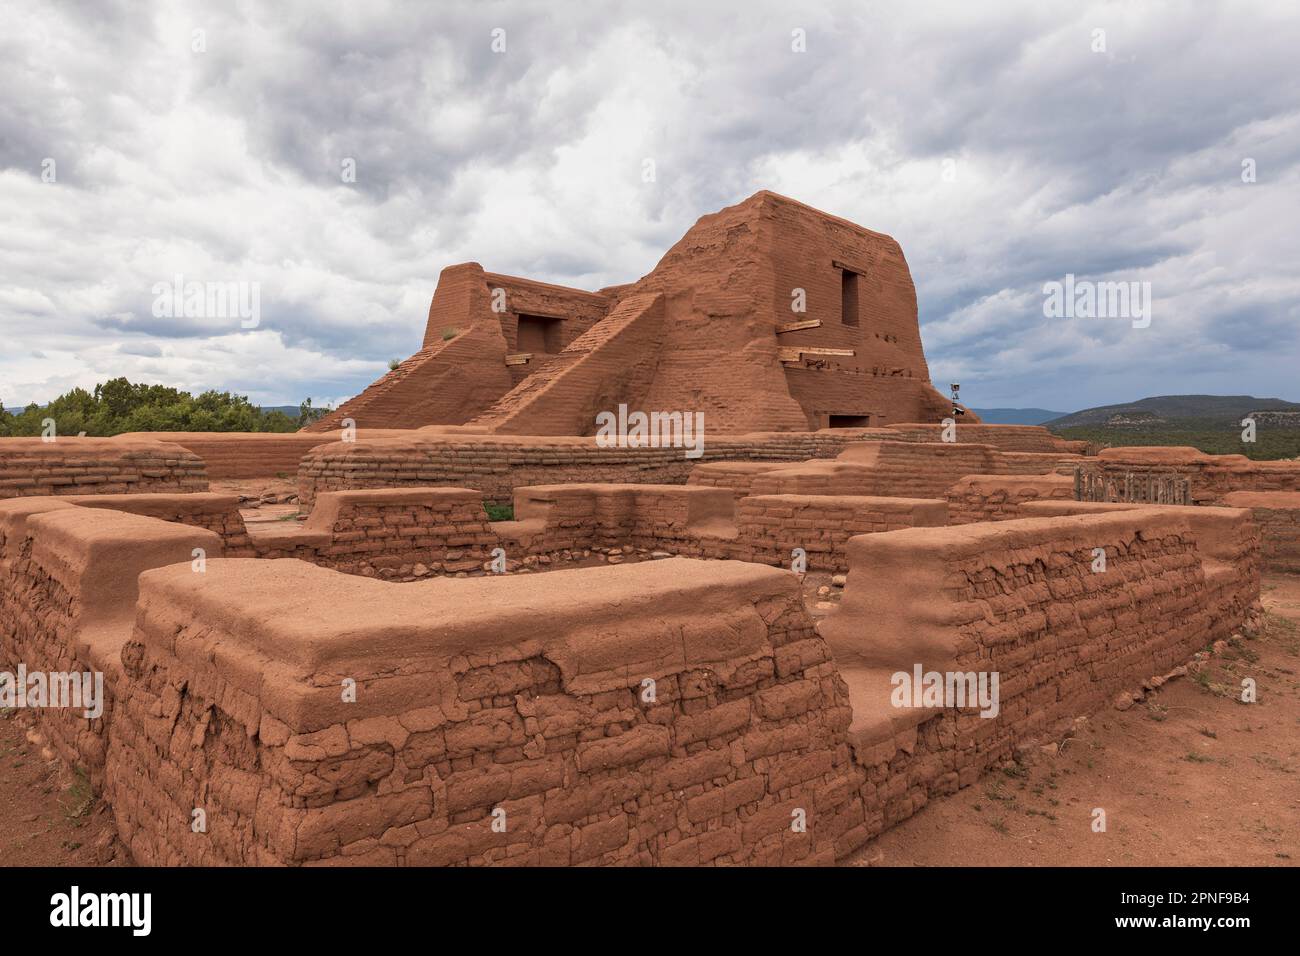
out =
column 828, row 351
column 519, row 358
column 836, row 264
column 796, row 326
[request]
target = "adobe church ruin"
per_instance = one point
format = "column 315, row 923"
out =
column 766, row 316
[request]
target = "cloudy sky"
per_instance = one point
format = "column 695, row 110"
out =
column 1004, row 145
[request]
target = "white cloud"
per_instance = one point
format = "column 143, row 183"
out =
column 224, row 165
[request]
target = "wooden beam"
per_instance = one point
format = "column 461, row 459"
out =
column 519, row 358
column 789, row 355
column 836, row 264
column 796, row 326
column 828, row 351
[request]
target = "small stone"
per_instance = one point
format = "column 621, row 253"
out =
column 1050, row 750
column 420, row 570
column 659, row 555
column 839, row 580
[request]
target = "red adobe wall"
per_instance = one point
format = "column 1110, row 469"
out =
column 1019, row 598
column 1227, row 539
column 497, row 465
column 67, row 599
column 389, row 532
column 1278, row 515
column 999, row 497
column 1211, row 476
column 532, row 707
column 896, row 469
column 1027, row 438
column 76, row 466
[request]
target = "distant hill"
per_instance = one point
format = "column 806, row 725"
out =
column 1211, row 423
column 1227, row 410
column 1016, row 416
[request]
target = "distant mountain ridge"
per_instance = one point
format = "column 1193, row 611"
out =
column 1016, row 416
column 1222, row 409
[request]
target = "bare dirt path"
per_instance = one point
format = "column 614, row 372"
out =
column 48, row 814
column 1187, row 777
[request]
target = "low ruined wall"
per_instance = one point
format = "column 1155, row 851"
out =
column 394, row 532
column 530, row 711
column 67, row 600
column 1019, row 598
column 890, row 469
column 703, row 522
column 999, row 497
column 215, row 512
column 1227, row 540
column 235, row 455
column 1212, row 477
column 1026, row 438
column 1278, row 516
column 770, row 527
column 77, row 466
column 499, row 465
column 737, row 476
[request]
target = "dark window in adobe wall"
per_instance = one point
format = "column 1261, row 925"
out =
column 850, row 421
column 848, row 297
column 538, row 333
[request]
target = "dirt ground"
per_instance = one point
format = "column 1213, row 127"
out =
column 1187, row 777
column 48, row 814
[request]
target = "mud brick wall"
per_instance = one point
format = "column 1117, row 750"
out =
column 1017, row 597
column 999, row 497
column 499, row 465
column 738, row 476
column 771, row 526
column 393, row 533
column 67, row 600
column 235, row 455
column 1024, row 438
column 1278, row 516
column 531, row 707
column 78, row 466
column 704, row 522
column 215, row 512
column 699, row 522
column 1212, row 477
column 1227, row 539
column 890, row 469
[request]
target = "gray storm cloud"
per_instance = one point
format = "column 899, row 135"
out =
column 997, row 144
